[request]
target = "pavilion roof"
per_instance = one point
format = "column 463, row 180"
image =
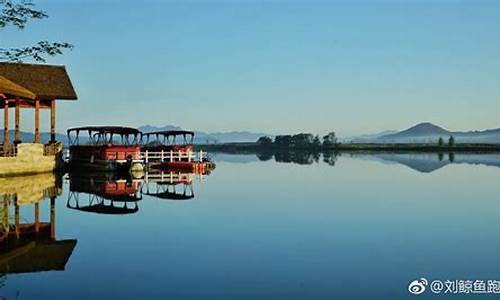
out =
column 37, row 257
column 45, row 81
column 11, row 88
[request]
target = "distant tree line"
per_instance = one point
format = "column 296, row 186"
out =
column 300, row 140
column 451, row 141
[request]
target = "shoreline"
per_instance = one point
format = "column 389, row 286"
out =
column 365, row 148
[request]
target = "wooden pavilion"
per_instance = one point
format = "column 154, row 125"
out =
column 35, row 87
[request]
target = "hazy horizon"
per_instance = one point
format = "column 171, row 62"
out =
column 274, row 67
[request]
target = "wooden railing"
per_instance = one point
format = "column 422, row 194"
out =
column 52, row 149
column 8, row 150
column 48, row 149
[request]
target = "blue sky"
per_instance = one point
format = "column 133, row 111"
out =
column 276, row 66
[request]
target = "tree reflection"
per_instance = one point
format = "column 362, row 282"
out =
column 330, row 157
column 301, row 157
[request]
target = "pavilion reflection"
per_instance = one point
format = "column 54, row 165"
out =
column 31, row 246
column 104, row 194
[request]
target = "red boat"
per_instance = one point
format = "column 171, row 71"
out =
column 162, row 150
column 106, row 148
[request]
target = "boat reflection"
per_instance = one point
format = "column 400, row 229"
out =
column 169, row 185
column 27, row 247
column 104, row 194
column 113, row 194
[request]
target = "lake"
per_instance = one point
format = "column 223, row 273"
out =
column 352, row 226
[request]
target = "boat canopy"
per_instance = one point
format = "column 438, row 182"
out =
column 106, row 209
column 168, row 136
column 98, row 135
column 169, row 192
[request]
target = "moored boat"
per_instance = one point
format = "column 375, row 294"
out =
column 105, row 148
column 173, row 150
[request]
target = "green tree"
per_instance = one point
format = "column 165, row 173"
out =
column 440, row 142
column 283, row 140
column 451, row 141
column 264, row 140
column 317, row 141
column 302, row 140
column 18, row 14
column 330, row 139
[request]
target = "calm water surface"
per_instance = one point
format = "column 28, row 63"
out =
column 354, row 227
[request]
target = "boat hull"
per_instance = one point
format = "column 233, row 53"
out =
column 107, row 158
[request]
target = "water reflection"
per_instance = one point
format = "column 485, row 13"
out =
column 430, row 162
column 114, row 194
column 305, row 157
column 31, row 246
column 168, row 185
column 320, row 242
column 103, row 194
column 421, row 162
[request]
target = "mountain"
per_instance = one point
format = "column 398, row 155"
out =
column 202, row 137
column 29, row 137
column 366, row 138
column 419, row 132
column 422, row 129
column 238, row 136
column 428, row 132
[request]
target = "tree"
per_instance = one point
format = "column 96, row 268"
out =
column 317, row 141
column 264, row 140
column 440, row 142
column 303, row 140
column 18, row 15
column 330, row 139
column 283, row 140
column 451, row 141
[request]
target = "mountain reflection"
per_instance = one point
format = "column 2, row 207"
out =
column 27, row 247
column 430, row 162
column 421, row 162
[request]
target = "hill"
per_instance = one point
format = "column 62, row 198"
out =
column 202, row 137
column 428, row 132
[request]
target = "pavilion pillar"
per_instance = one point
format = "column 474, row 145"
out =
column 37, row 217
column 37, row 121
column 6, row 138
column 17, row 137
column 16, row 217
column 6, row 210
column 53, row 121
column 53, row 218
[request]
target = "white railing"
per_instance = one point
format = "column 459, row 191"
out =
column 172, row 156
column 168, row 177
